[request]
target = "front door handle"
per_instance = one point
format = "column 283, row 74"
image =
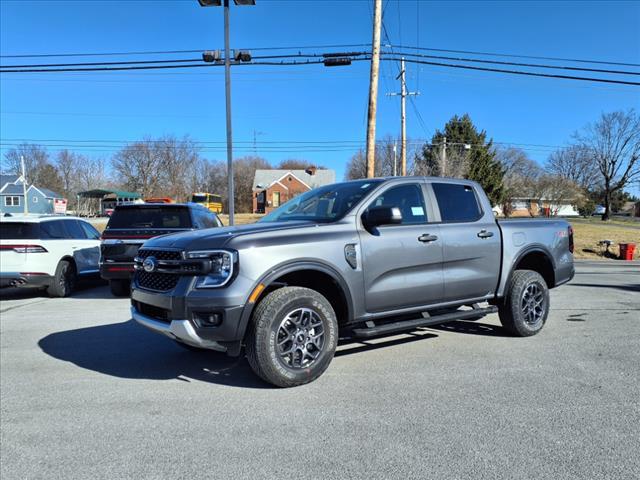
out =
column 485, row 234
column 426, row 238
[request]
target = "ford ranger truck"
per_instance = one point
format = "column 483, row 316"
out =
column 357, row 259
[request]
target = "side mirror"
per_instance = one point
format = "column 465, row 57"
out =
column 382, row 215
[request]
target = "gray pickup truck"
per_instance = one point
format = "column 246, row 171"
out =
column 356, row 259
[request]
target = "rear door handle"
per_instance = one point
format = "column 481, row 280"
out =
column 485, row 234
column 426, row 238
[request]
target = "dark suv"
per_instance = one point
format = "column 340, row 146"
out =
column 131, row 225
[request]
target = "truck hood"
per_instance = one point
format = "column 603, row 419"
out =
column 219, row 237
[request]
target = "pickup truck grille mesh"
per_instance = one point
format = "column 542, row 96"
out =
column 162, row 282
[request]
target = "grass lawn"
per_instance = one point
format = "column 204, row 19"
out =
column 241, row 218
column 588, row 234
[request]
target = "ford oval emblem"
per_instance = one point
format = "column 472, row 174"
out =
column 150, row 264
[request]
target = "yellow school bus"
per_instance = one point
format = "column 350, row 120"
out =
column 211, row 201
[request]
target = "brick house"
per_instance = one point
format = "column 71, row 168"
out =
column 272, row 188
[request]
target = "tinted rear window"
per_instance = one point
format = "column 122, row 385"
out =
column 19, row 231
column 457, row 203
column 150, row 217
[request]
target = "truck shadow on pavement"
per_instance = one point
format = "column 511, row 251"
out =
column 472, row 328
column 127, row 350
column 629, row 287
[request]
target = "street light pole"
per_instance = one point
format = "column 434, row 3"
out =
column 227, row 91
column 243, row 57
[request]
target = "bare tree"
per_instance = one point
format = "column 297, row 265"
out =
column 614, row 143
column 164, row 167
column 384, row 161
column 217, row 180
column 91, row 173
column 244, row 170
column 575, row 163
column 521, row 175
column 36, row 158
column 67, row 164
column 297, row 164
column 557, row 191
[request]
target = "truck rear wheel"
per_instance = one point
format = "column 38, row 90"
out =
column 293, row 336
column 120, row 288
column 526, row 305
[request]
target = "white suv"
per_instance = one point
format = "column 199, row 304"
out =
column 47, row 251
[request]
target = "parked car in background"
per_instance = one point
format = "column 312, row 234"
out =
column 599, row 210
column 47, row 251
column 131, row 225
column 356, row 259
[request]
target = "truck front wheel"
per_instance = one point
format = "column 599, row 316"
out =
column 526, row 305
column 293, row 336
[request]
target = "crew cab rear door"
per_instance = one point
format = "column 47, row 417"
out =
column 471, row 241
column 402, row 264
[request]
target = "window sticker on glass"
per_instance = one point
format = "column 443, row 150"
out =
column 417, row 211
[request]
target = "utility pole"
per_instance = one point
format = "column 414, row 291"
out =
column 227, row 93
column 373, row 88
column 24, row 186
column 403, row 115
column 444, row 157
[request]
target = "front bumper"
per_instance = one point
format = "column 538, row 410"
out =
column 17, row 279
column 181, row 330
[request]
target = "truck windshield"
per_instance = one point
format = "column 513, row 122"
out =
column 323, row 204
column 150, row 217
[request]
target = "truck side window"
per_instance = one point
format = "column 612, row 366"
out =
column 408, row 198
column 457, row 203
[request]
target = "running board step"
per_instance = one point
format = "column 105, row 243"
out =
column 421, row 322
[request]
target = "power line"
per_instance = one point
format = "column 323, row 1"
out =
column 518, row 64
column 519, row 72
column 171, row 52
column 159, row 67
column 511, row 55
column 306, row 47
column 363, row 57
column 349, row 143
column 9, row 68
column 156, row 62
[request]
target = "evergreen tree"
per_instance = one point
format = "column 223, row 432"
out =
column 469, row 155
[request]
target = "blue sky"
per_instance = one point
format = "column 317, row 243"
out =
column 310, row 103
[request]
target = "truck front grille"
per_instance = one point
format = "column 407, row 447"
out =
column 160, row 282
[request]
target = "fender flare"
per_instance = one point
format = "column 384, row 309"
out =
column 535, row 248
column 290, row 267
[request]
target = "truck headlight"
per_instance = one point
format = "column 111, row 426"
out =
column 224, row 264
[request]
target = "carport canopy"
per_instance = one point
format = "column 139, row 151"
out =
column 100, row 193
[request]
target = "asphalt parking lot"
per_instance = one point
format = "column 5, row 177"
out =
column 87, row 393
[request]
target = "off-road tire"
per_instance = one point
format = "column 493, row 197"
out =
column 261, row 342
column 64, row 280
column 511, row 311
column 120, row 288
